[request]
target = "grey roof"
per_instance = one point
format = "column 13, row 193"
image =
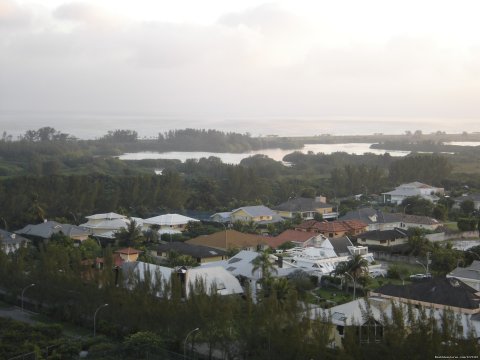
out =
column 9, row 238
column 372, row 216
column 378, row 235
column 46, row 229
column 258, row 210
column 442, row 291
column 301, row 204
column 470, row 272
column 224, row 216
column 473, row 197
column 367, row 215
column 195, row 251
column 340, row 245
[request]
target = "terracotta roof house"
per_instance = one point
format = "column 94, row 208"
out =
column 306, row 208
column 469, row 275
column 10, row 242
column 230, row 239
column 297, row 237
column 439, row 293
column 46, row 229
column 334, row 229
column 200, row 253
column 412, row 189
column 259, row 214
column 383, row 237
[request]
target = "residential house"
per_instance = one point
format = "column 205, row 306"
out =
column 437, row 293
column 475, row 198
column 296, row 237
column 352, row 315
column 322, row 255
column 168, row 223
column 242, row 267
column 200, row 253
column 221, row 217
column 333, row 229
column 106, row 225
column 379, row 220
column 212, row 280
column 383, row 237
column 230, row 239
column 469, row 275
column 128, row 254
column 136, row 272
column 412, row 189
column 379, row 308
column 46, row 229
column 11, row 242
column 306, row 208
column 260, row 215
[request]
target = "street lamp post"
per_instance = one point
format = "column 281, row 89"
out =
column 185, row 342
column 426, row 269
column 354, row 287
column 95, row 319
column 405, row 208
column 23, row 292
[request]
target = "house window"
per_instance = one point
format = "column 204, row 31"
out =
column 340, row 329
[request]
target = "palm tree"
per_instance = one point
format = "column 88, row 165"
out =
column 129, row 235
column 355, row 268
column 263, row 263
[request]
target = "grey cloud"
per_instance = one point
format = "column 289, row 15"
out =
column 13, row 16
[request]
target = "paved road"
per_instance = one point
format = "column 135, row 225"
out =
column 16, row 313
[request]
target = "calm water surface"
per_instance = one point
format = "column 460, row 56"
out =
column 275, row 154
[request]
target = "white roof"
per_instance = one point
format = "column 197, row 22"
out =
column 169, row 219
column 169, row 231
column 114, row 224
column 214, row 278
column 240, row 264
column 107, row 216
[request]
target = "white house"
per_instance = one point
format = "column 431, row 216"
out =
column 469, row 275
column 412, row 189
column 105, row 225
column 168, row 223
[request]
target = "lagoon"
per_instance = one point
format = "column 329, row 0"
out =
column 275, row 154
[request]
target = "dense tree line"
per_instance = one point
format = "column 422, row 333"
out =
column 68, row 288
column 430, row 169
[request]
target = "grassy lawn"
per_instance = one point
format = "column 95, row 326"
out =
column 452, row 225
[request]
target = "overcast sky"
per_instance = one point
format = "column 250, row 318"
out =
column 243, row 58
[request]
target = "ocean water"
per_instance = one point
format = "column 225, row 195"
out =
column 86, row 125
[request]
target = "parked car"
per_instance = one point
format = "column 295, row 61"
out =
column 420, row 276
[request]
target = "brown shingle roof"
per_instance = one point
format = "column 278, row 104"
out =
column 332, row 226
column 290, row 235
column 230, row 239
